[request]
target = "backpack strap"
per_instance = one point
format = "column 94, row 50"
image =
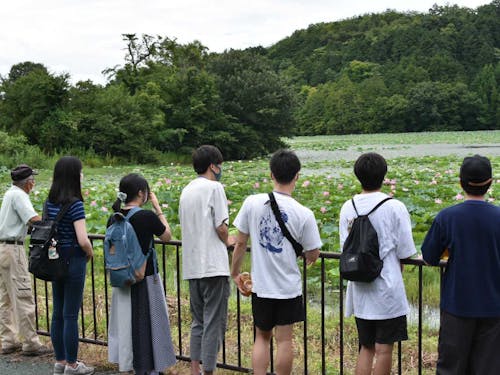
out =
column 277, row 214
column 378, row 205
column 152, row 251
column 354, row 206
column 373, row 209
column 61, row 213
column 132, row 212
column 45, row 214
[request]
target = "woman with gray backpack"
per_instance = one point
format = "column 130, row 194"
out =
column 139, row 330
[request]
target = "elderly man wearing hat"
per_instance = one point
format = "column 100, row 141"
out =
column 17, row 308
column 469, row 336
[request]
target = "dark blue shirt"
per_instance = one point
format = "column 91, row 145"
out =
column 66, row 234
column 471, row 282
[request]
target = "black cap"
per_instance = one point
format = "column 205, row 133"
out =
column 476, row 171
column 21, row 172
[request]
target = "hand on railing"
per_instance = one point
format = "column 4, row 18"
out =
column 311, row 256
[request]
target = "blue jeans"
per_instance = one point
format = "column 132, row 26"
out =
column 67, row 297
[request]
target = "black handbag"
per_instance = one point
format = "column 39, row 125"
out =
column 44, row 236
column 277, row 214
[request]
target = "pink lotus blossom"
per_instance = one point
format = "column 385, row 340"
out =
column 491, row 199
column 323, row 210
column 449, row 171
column 387, row 181
column 256, row 185
column 459, row 197
column 391, row 194
column 229, row 202
column 393, row 187
column 416, row 182
column 326, row 193
column 329, row 177
column 168, row 181
column 104, row 209
column 164, row 205
column 438, row 201
column 433, row 182
column 264, row 180
column 86, row 193
column 306, row 183
column 340, row 186
column 328, row 201
column 437, row 174
column 405, row 189
column 93, row 203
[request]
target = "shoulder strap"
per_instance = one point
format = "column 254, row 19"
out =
column 274, row 206
column 132, row 212
column 378, row 205
column 45, row 214
column 354, row 206
column 373, row 209
column 61, row 213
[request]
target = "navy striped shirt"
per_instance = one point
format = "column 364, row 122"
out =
column 66, row 234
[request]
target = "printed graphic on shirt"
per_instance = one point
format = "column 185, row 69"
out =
column 270, row 237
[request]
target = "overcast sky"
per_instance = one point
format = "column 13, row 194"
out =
column 83, row 37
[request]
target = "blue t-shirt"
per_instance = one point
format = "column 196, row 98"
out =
column 471, row 282
column 66, row 234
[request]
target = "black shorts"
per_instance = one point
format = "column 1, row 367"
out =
column 271, row 312
column 468, row 345
column 385, row 331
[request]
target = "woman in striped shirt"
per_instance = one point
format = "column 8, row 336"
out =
column 75, row 247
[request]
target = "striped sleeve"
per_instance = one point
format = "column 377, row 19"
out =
column 76, row 211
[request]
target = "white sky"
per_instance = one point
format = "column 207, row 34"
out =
column 83, row 37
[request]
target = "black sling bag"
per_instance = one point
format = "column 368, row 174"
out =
column 274, row 206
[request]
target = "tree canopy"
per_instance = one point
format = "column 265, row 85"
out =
column 386, row 72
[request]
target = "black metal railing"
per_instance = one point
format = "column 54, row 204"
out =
column 328, row 341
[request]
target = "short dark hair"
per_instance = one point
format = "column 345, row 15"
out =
column 131, row 185
column 205, row 155
column 370, row 169
column 284, row 166
column 66, row 183
column 476, row 175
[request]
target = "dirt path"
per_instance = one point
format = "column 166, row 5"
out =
column 22, row 365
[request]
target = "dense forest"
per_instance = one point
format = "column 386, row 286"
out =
column 387, row 72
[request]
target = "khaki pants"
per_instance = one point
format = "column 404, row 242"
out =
column 17, row 308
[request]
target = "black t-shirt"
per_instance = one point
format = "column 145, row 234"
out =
column 146, row 225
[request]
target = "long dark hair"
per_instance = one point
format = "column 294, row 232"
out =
column 131, row 185
column 66, row 184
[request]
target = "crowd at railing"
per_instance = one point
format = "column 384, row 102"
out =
column 328, row 305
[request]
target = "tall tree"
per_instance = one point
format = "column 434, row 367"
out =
column 255, row 97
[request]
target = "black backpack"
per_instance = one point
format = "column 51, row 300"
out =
column 360, row 259
column 42, row 238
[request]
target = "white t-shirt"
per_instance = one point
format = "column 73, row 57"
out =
column 385, row 297
column 15, row 214
column 202, row 209
column 275, row 273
